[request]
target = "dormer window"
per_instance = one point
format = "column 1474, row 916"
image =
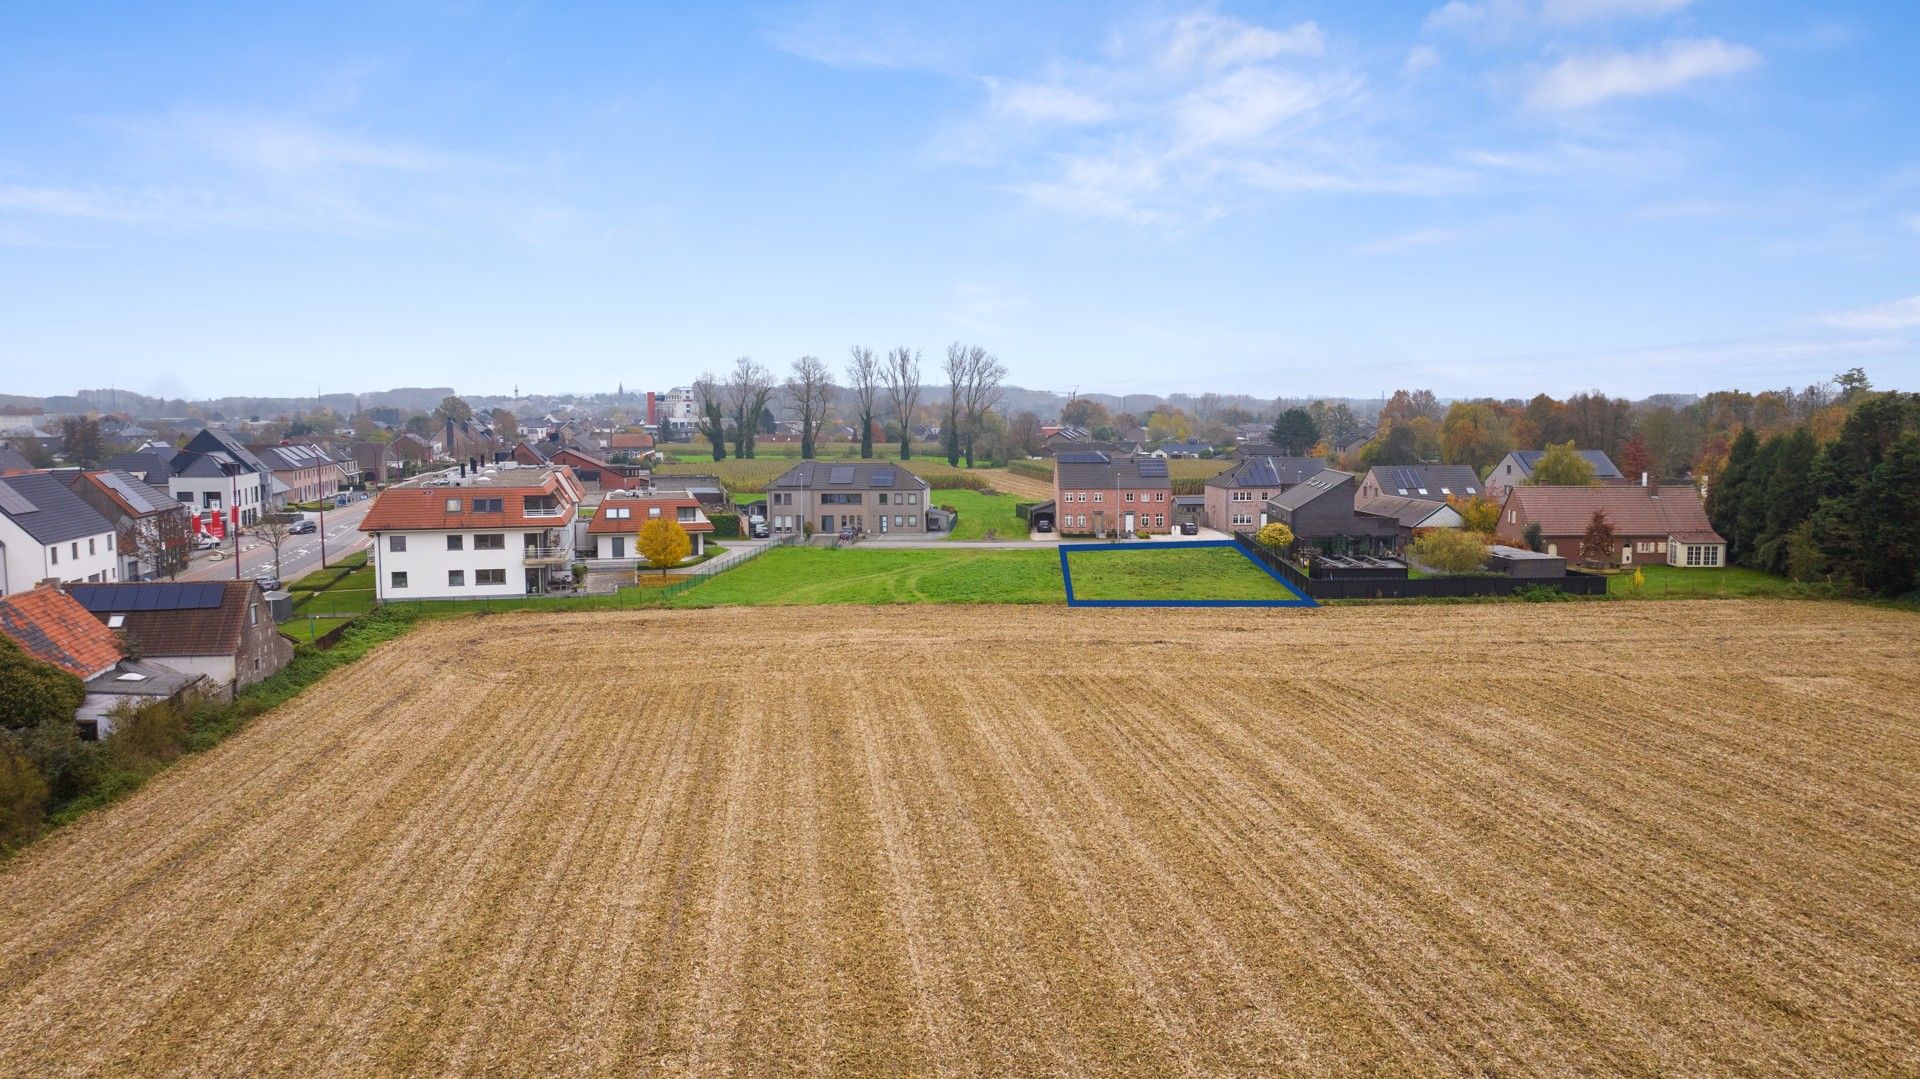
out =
column 453, row 505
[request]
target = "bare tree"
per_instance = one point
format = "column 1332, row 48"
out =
column 749, row 389
column 956, row 369
column 901, row 373
column 981, row 395
column 273, row 529
column 157, row 542
column 863, row 378
column 711, row 404
column 809, row 393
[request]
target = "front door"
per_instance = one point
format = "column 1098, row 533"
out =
column 883, row 524
column 826, row 522
column 619, row 546
column 1127, row 527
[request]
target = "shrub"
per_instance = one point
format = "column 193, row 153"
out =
column 725, row 525
column 1039, row 470
column 32, row 692
column 1450, row 550
column 1274, row 537
column 1540, row 593
column 23, row 797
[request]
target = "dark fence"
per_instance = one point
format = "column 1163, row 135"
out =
column 1573, row 584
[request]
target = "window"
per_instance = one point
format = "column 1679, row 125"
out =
column 684, row 513
column 399, row 579
column 1099, row 496
column 1159, row 496
column 1159, row 520
column 1512, row 516
column 453, row 505
column 1129, row 496
column 91, row 549
column 456, row 543
column 490, row 541
column 489, row 576
column 489, row 505
column 253, row 614
column 913, row 520
column 913, row 499
column 456, row 578
column 397, row 544
column 55, row 552
column 109, row 543
column 76, row 548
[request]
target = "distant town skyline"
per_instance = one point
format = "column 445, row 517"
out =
column 1481, row 197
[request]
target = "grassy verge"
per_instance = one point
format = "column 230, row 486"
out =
column 1190, row 573
column 814, row 575
column 1679, row 582
column 981, row 513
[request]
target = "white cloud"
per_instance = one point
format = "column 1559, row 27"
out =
column 1249, row 103
column 1503, row 18
column 1584, row 81
column 1898, row 315
column 1048, row 103
column 1407, row 241
column 1420, row 59
column 1209, row 41
column 1596, row 10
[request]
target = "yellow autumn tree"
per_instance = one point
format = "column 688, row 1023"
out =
column 663, row 543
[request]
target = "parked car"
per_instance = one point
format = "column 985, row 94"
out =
column 757, row 528
column 268, row 582
column 300, row 528
column 1189, row 528
column 1045, row 525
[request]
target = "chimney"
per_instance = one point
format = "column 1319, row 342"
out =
column 463, row 470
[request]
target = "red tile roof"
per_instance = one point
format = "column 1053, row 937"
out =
column 1631, row 511
column 401, row 509
column 52, row 627
column 605, row 523
column 630, row 441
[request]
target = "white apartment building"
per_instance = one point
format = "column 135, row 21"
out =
column 504, row 532
column 48, row 532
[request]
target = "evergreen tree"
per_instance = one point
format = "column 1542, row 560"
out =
column 1750, row 515
column 1790, row 499
column 1723, row 501
column 1890, row 510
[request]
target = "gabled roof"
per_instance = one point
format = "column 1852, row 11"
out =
column 150, row 467
column 45, row 509
column 1102, row 471
column 292, row 458
column 847, row 476
column 232, row 446
column 1321, row 483
column 622, row 516
column 11, row 460
column 135, row 497
column 1411, row 512
column 1431, row 482
column 1264, row 471
column 52, row 627
column 176, row 618
column 1603, row 466
column 628, row 440
column 1631, row 511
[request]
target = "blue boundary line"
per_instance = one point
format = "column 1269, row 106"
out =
column 1148, row 546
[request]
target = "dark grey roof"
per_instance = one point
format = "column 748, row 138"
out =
column 201, row 464
column 150, row 467
column 44, row 509
column 1189, row 501
column 1320, row 483
column 1431, row 482
column 1603, row 466
column 291, row 458
column 213, row 439
column 852, row 475
column 142, row 497
column 1098, row 471
column 1264, row 471
column 1410, row 512
column 156, row 680
column 12, row 461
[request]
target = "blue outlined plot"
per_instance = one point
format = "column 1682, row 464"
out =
column 1146, row 549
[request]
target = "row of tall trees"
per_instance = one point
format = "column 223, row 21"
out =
column 1845, row 510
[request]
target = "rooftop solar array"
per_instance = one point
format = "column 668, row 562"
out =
column 881, row 478
column 14, row 502
column 1153, row 467
column 1082, row 458
column 840, row 474
column 150, row 596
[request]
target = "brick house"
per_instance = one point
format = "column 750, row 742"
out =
column 302, row 473
column 1096, row 494
column 1237, row 498
column 615, row 527
column 1663, row 525
column 221, row 630
column 864, row 496
column 379, row 462
column 51, row 626
column 151, row 529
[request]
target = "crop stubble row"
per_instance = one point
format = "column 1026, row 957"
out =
column 1581, row 840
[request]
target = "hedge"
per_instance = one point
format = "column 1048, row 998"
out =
column 725, row 525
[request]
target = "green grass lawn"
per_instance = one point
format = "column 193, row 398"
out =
column 1170, row 573
column 981, row 512
column 1679, row 582
column 815, row 575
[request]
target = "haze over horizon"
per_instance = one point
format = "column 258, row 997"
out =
column 1483, row 197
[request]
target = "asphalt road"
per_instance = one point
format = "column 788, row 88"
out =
column 299, row 555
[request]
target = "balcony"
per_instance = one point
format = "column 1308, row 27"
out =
column 548, row 556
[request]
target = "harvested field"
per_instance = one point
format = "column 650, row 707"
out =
column 1595, row 839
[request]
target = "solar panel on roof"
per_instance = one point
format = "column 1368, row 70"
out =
column 148, row 596
column 882, row 479
column 840, row 474
column 1153, row 468
column 1082, row 458
column 14, row 502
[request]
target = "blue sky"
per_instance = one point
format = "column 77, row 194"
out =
column 1480, row 196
